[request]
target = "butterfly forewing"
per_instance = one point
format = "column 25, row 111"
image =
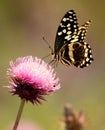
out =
column 67, row 27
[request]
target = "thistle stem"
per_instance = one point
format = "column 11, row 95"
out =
column 19, row 114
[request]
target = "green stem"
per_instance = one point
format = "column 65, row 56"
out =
column 19, row 114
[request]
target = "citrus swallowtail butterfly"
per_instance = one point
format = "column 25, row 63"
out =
column 70, row 47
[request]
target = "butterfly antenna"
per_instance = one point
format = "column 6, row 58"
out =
column 46, row 56
column 53, row 62
column 48, row 45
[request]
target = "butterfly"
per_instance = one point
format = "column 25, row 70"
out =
column 70, row 47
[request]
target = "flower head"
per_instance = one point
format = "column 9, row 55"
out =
column 31, row 79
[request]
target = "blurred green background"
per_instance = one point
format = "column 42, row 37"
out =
column 23, row 23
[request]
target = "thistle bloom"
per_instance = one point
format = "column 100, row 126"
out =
column 31, row 79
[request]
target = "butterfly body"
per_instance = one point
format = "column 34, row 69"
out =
column 70, row 47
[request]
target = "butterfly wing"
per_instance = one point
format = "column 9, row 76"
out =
column 83, row 54
column 68, row 26
column 77, row 51
column 82, row 31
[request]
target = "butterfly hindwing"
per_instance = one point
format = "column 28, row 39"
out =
column 81, row 54
column 82, row 31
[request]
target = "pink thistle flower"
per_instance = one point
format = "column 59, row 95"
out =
column 31, row 79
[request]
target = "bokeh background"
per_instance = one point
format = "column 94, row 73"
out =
column 23, row 23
